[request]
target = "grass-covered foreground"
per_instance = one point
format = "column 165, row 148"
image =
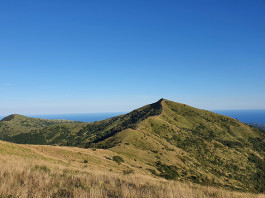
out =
column 52, row 171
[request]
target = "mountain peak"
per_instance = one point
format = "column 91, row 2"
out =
column 162, row 100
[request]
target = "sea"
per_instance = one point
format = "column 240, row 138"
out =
column 247, row 116
column 83, row 117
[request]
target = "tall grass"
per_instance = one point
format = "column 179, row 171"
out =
column 36, row 178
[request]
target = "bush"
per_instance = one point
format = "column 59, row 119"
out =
column 117, row 159
column 128, row 171
column 168, row 172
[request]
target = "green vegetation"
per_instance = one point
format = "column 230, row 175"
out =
column 117, row 159
column 15, row 124
column 168, row 172
column 167, row 139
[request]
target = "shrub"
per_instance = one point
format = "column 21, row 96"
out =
column 128, row 171
column 117, row 159
column 168, row 172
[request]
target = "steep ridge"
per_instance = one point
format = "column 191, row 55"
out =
column 82, row 134
column 99, row 131
column 175, row 141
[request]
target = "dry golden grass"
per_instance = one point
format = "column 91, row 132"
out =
column 33, row 176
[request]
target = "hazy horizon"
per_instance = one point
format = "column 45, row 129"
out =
column 247, row 116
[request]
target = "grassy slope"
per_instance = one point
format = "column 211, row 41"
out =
column 53, row 171
column 189, row 144
column 174, row 141
column 16, row 124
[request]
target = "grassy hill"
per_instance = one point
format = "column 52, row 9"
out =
column 57, row 171
column 16, row 124
column 168, row 140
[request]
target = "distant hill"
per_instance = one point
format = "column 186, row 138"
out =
column 260, row 126
column 17, row 124
column 175, row 140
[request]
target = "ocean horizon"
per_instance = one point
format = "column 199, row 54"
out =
column 82, row 117
column 246, row 116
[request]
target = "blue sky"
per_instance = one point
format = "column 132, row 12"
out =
column 62, row 56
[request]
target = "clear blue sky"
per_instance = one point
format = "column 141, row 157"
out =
column 66, row 56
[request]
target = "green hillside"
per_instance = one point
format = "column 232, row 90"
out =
column 16, row 124
column 174, row 140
